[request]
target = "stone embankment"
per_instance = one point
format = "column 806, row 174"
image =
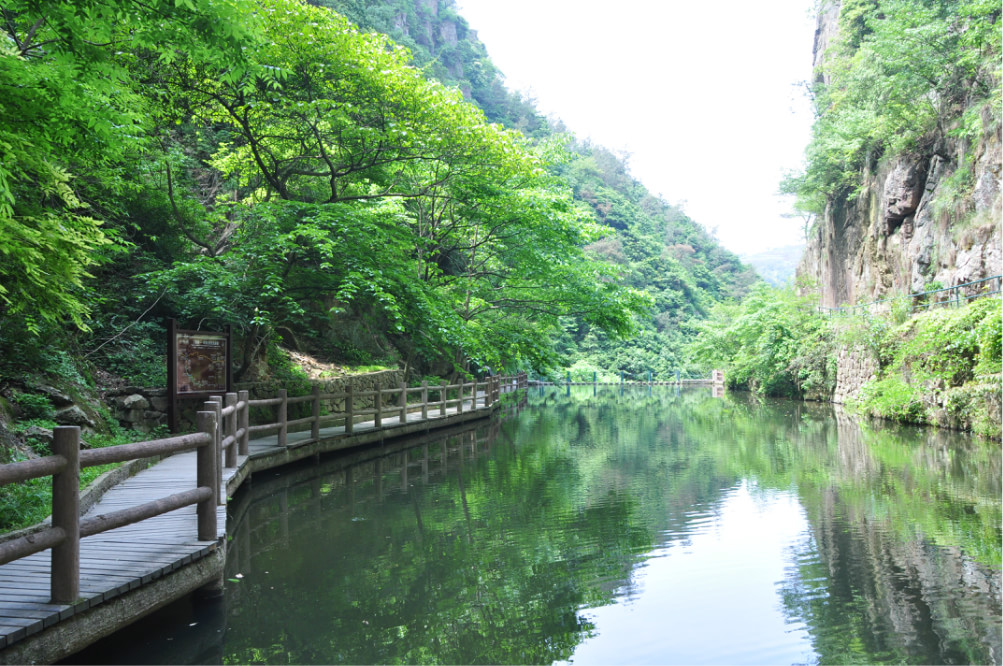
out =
column 854, row 368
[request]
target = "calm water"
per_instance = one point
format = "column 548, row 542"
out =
column 636, row 528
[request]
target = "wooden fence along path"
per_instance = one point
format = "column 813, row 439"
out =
column 171, row 517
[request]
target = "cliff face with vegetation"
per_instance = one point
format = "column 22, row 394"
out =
column 902, row 187
column 904, row 170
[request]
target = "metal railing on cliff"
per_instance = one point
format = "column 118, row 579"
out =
column 925, row 300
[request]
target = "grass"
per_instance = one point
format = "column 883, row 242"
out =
column 30, row 502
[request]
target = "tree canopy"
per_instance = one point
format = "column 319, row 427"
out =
column 272, row 167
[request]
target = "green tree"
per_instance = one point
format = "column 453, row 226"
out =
column 72, row 112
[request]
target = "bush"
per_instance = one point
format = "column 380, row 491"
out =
column 775, row 342
column 33, row 406
column 946, row 358
column 893, row 398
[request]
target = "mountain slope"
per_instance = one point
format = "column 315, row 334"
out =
column 656, row 246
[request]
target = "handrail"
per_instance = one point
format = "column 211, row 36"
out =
column 385, row 403
column 63, row 538
column 223, row 433
column 716, row 377
column 918, row 296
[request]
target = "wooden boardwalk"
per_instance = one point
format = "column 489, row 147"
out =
column 118, row 561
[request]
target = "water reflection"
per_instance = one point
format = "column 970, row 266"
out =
column 626, row 526
column 710, row 597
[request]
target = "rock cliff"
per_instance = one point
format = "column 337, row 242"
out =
column 913, row 222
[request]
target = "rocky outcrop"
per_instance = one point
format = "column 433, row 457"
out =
column 825, row 33
column 905, row 230
column 913, row 222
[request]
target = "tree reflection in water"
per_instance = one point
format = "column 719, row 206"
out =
column 511, row 543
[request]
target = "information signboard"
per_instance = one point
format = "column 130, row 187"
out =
column 201, row 362
column 198, row 365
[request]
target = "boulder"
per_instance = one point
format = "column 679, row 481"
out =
column 135, row 401
column 56, row 397
column 43, row 434
column 73, row 415
column 903, row 190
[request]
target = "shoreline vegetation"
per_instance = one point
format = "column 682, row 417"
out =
column 940, row 367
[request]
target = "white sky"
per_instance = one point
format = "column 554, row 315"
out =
column 703, row 96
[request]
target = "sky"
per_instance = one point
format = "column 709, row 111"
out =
column 706, row 98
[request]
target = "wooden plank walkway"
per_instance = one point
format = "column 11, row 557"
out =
column 115, row 562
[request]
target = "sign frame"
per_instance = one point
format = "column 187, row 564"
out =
column 178, row 388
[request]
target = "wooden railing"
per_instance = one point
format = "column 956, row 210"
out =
column 223, row 434
column 67, row 527
column 428, row 400
column 716, row 377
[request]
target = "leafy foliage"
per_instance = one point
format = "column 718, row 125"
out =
column 903, row 74
column 276, row 169
column 938, row 360
column 775, row 342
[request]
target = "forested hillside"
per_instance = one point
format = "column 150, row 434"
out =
column 653, row 245
column 273, row 168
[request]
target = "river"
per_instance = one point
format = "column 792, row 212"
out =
column 612, row 526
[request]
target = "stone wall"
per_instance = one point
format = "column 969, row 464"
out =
column 854, row 368
column 143, row 409
column 138, row 408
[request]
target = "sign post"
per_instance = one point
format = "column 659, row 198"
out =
column 198, row 365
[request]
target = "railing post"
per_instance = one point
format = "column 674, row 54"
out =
column 231, row 429
column 442, row 399
column 424, row 401
column 205, row 476
column 403, row 415
column 65, row 576
column 459, row 406
column 215, row 405
column 244, row 422
column 315, row 424
column 349, row 410
column 378, row 408
column 283, row 417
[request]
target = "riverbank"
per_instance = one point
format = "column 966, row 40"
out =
column 939, row 366
column 613, row 526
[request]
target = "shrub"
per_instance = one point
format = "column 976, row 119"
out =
column 33, row 406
